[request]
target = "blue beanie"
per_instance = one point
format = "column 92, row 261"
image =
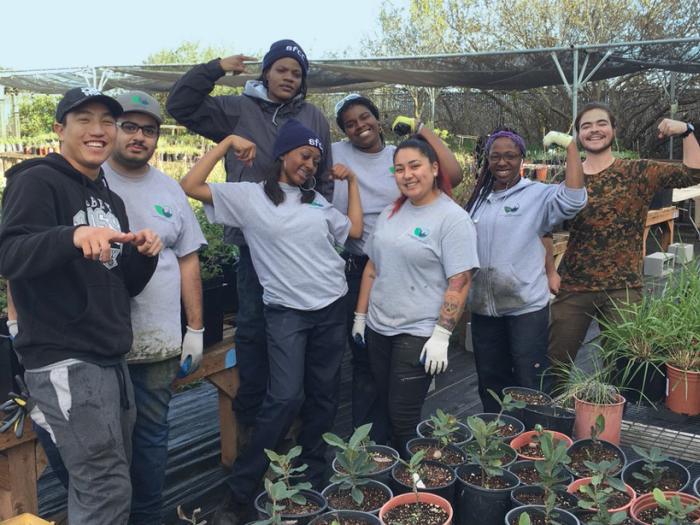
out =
column 286, row 48
column 293, row 134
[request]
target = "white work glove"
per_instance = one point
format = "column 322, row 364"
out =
column 558, row 138
column 13, row 328
column 192, row 351
column 358, row 329
column 434, row 354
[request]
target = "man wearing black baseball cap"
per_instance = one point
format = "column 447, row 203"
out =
column 72, row 263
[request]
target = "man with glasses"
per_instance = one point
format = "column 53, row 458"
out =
column 154, row 200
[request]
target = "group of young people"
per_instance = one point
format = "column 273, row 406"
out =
column 411, row 259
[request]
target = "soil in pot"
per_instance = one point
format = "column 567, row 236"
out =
column 483, row 501
column 588, row 450
column 528, row 447
column 652, row 514
column 510, row 427
column 534, row 495
column 423, row 513
column 487, row 482
column 450, row 455
column 462, row 435
column 537, row 516
column 645, row 510
column 508, row 458
column 375, row 495
column 528, row 475
column 383, row 459
column 433, row 475
column 528, row 395
column 315, row 504
column 675, row 478
column 617, row 499
column 346, row 517
column 586, row 517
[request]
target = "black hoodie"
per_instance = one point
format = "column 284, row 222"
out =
column 67, row 306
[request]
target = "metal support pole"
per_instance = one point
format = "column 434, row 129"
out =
column 574, row 89
column 674, row 110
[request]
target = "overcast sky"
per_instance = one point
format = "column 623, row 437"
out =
column 41, row 34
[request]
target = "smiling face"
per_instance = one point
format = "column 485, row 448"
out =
column 504, row 159
column 415, row 176
column 362, row 128
column 299, row 164
column 133, row 151
column 87, row 137
column 595, row 131
column 283, row 79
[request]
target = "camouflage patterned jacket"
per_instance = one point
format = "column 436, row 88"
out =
column 605, row 243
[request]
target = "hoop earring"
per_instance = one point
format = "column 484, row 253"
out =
column 313, row 186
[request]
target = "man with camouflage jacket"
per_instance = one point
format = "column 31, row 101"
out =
column 601, row 266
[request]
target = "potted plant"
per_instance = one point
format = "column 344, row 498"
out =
column 531, row 398
column 594, row 450
column 666, row 508
column 603, row 492
column 507, row 427
column 416, row 507
column 284, row 498
column 655, row 470
column 352, row 488
column 527, row 473
column 427, row 475
column 383, row 460
column 445, row 427
column 529, row 445
column 345, row 517
column 552, row 417
column 537, row 515
column 437, row 450
column 484, row 495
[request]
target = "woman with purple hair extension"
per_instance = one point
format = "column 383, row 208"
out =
column 509, row 299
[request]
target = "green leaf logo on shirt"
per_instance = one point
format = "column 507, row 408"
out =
column 164, row 211
column 421, row 233
column 513, row 209
column 392, row 170
column 316, row 204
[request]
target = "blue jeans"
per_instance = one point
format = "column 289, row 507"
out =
column 251, row 342
column 152, row 395
column 510, row 351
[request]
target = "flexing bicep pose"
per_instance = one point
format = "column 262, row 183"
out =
column 510, row 294
column 371, row 159
column 421, row 256
column 279, row 94
column 292, row 232
column 619, row 192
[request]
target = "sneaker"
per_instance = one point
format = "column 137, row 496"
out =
column 230, row 512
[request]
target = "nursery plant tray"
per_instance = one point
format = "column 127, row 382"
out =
column 673, row 442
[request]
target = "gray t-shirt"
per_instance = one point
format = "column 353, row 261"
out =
column 292, row 245
column 375, row 175
column 414, row 253
column 157, row 202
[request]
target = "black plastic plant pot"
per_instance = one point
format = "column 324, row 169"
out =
column 551, row 417
column 463, row 435
column 414, row 445
column 645, row 383
column 526, row 464
column 511, row 454
column 333, row 488
column 478, row 505
column 342, row 515
column 446, row 491
column 636, row 467
column 516, row 495
column 563, row 517
column 696, row 487
column 383, row 474
column 299, row 519
column 519, row 413
column 582, row 443
column 505, row 418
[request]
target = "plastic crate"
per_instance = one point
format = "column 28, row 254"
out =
column 26, row 519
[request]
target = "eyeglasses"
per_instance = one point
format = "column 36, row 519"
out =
column 341, row 103
column 131, row 128
column 508, row 157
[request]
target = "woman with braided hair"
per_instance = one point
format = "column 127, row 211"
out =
column 509, row 299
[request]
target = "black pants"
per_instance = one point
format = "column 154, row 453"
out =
column 366, row 407
column 305, row 350
column 401, row 382
column 510, row 351
column 251, row 342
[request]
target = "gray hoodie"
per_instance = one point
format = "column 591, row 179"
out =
column 509, row 226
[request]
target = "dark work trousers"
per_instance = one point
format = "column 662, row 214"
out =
column 401, row 382
column 305, row 349
column 510, row 351
column 251, row 342
column 365, row 400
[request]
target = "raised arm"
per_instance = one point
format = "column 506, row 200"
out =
column 355, row 214
column 195, row 184
column 447, row 160
column 574, row 168
column 691, row 148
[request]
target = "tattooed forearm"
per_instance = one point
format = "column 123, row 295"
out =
column 455, row 297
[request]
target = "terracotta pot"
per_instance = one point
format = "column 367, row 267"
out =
column 423, row 497
column 573, row 489
column 541, row 173
column 683, row 391
column 526, row 437
column 333, row 488
column 586, row 414
column 647, row 501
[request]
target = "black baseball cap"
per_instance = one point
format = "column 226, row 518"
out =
column 73, row 98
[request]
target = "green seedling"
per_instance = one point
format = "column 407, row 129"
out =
column 598, row 492
column 653, row 469
column 354, row 460
column 551, row 471
column 677, row 512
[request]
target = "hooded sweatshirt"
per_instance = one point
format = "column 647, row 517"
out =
column 509, row 226
column 252, row 116
column 68, row 307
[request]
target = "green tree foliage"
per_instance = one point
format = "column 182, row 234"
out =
column 37, row 114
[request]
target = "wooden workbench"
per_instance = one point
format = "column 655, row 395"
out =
column 665, row 216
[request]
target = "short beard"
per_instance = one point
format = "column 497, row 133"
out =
column 130, row 163
column 600, row 149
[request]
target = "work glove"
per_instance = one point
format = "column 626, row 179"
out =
column 12, row 328
column 192, row 351
column 358, row 330
column 405, row 125
column 434, row 354
column 16, row 409
column 558, row 138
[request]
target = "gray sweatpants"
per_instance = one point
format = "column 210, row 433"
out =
column 89, row 411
